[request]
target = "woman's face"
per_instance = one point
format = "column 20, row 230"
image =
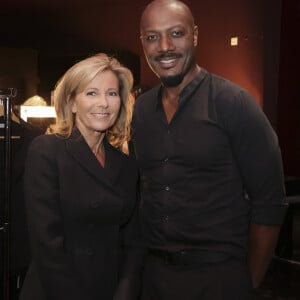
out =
column 97, row 107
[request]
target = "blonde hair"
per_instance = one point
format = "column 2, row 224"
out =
column 76, row 79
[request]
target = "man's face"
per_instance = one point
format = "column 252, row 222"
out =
column 169, row 38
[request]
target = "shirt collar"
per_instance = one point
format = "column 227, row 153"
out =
column 186, row 92
column 193, row 85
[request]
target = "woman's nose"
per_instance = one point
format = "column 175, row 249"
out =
column 102, row 100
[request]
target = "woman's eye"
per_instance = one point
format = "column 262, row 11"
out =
column 91, row 93
column 112, row 93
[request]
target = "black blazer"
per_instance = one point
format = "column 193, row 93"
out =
column 76, row 210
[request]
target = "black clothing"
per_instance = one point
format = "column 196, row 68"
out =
column 22, row 135
column 227, row 280
column 76, row 211
column 215, row 168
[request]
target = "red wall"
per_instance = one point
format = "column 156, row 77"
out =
column 218, row 21
column 265, row 62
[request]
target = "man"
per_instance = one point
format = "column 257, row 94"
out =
column 211, row 174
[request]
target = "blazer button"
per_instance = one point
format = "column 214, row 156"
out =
column 166, row 218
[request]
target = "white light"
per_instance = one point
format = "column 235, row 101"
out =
column 234, row 41
column 37, row 112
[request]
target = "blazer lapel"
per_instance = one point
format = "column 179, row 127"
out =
column 81, row 152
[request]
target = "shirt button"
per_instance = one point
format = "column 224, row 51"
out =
column 166, row 218
column 166, row 159
column 167, row 188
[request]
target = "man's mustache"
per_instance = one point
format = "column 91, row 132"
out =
column 167, row 56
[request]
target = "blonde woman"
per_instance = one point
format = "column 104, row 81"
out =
column 79, row 187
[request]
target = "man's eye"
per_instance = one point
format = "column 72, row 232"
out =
column 177, row 33
column 151, row 38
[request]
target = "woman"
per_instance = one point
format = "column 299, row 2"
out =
column 80, row 189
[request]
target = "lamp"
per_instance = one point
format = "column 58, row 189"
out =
column 36, row 107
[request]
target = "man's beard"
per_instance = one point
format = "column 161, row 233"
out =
column 172, row 81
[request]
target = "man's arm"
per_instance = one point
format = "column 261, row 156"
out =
column 262, row 243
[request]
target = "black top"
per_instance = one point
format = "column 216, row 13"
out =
column 211, row 171
column 76, row 211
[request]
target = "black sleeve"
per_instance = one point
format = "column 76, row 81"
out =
column 257, row 153
column 45, row 223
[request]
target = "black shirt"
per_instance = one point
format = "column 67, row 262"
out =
column 211, row 171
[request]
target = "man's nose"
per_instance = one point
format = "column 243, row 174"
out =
column 166, row 43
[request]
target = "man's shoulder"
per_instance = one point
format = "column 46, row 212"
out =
column 225, row 99
column 221, row 84
column 225, row 93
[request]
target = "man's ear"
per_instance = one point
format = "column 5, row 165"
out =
column 195, row 36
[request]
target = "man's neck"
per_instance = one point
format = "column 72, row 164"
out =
column 174, row 91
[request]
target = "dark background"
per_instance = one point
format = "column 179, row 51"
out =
column 266, row 61
column 41, row 39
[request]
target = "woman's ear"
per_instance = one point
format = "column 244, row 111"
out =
column 73, row 107
column 72, row 104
